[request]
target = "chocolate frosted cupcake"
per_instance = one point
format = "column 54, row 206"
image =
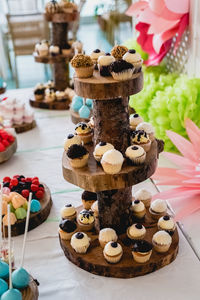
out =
column 88, row 198
column 39, row 92
column 134, row 58
column 104, row 63
column 83, row 65
column 95, row 55
column 141, row 251
column 118, row 51
column 78, row 156
column 121, row 70
column 67, row 50
column 141, row 138
column 67, row 229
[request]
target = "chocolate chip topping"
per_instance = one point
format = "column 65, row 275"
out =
column 96, row 51
column 108, row 54
column 83, row 125
column 102, row 143
column 79, row 235
column 166, row 218
column 88, row 196
column 134, row 148
column 67, row 225
column 70, row 136
column 135, row 116
column 142, row 246
column 136, row 201
column 132, row 51
column 138, row 226
column 120, row 66
column 114, row 244
column 138, row 134
column 68, row 205
column 76, row 151
column 86, row 213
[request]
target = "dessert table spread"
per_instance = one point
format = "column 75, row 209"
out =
column 40, row 154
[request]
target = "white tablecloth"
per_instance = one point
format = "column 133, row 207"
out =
column 39, row 154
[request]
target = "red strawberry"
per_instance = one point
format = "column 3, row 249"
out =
column 14, row 182
column 34, row 187
column 35, row 181
column 39, row 194
column 28, row 179
column 23, row 180
column 25, row 193
column 16, row 176
column 35, row 178
column 41, row 189
column 6, row 179
column 6, row 143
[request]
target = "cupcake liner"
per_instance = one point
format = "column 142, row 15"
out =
column 39, row 97
column 84, row 227
column 43, row 53
column 84, row 72
column 71, row 218
column 65, row 235
column 156, row 216
column 111, row 169
column 136, row 161
column 82, row 249
column 86, row 138
column 141, row 257
column 113, row 259
column 66, row 52
column 146, row 146
column 140, row 214
column 79, row 162
column 125, row 75
column 161, row 248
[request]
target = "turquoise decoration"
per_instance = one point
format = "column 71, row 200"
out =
column 3, row 286
column 35, row 206
column 1, row 82
column 84, row 112
column 4, row 270
column 89, row 103
column 77, row 102
column 12, row 294
column 20, row 278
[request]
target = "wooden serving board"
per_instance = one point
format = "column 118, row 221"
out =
column 93, row 178
column 24, row 127
column 52, row 59
column 93, row 261
column 35, row 218
column 103, row 88
column 6, row 155
column 76, row 118
column 31, row 292
column 56, row 105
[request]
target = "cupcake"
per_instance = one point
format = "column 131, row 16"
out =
column 148, row 128
column 78, row 156
column 144, row 196
column 54, row 50
column 100, row 149
column 67, row 7
column 112, row 252
column 135, row 155
column 67, row 50
column 80, row 242
column 95, row 209
column 134, row 120
column 68, row 212
column 112, row 161
column 134, row 58
column 88, row 198
column 104, row 63
column 136, row 231
column 158, row 209
column 77, row 46
column 95, row 55
column 83, row 65
column 66, row 229
column 141, row 251
column 85, row 220
column 107, row 235
column 161, row 241
column 42, row 49
column 121, row 70
column 71, row 140
column 52, row 7
column 84, row 131
column 141, row 138
column 118, row 51
column 50, row 95
column 138, row 209
column 50, row 85
column 60, row 96
column 167, row 224
column 39, row 91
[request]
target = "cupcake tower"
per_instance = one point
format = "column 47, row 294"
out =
column 111, row 177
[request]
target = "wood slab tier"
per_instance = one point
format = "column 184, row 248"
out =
column 103, row 88
column 3, row 88
column 52, row 59
column 55, row 105
column 62, row 17
column 93, row 261
column 6, row 155
column 93, row 178
column 35, row 218
column 24, row 127
column 76, row 118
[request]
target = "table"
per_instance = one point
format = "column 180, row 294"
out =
column 39, row 154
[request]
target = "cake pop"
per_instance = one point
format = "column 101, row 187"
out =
column 12, row 294
column 84, row 112
column 4, row 270
column 3, row 286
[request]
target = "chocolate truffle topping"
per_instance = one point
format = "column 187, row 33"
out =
column 134, row 148
column 166, row 218
column 70, row 136
column 88, row 196
column 67, row 226
column 79, row 235
column 138, row 226
column 132, row 51
column 136, row 201
column 120, row 66
column 141, row 246
column 135, row 116
column 96, row 51
column 108, row 54
column 76, row 151
column 102, row 143
column 139, row 134
column 114, row 244
column 68, row 205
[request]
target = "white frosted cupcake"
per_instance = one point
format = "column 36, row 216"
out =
column 80, row 242
column 135, row 155
column 71, row 140
column 112, row 161
column 85, row 220
column 141, row 138
column 107, row 235
column 161, row 241
column 113, row 252
column 144, row 196
column 148, row 128
column 167, row 223
column 158, row 208
column 138, row 209
column 54, row 50
column 100, row 149
column 95, row 55
column 104, row 62
column 68, row 212
column 42, row 49
column 136, row 231
column 134, row 58
column 134, row 120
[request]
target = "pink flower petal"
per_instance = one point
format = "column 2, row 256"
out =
column 178, row 6
column 136, row 8
column 180, row 160
column 192, row 206
column 157, row 6
column 159, row 25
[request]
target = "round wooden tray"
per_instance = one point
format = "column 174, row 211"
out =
column 31, row 292
column 35, row 218
column 52, row 59
column 93, row 261
column 56, row 105
column 6, row 155
column 62, row 17
column 104, row 88
column 76, row 118
column 93, row 178
column 24, row 127
column 3, row 89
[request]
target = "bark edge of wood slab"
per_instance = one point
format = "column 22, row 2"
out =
column 52, row 59
column 8, row 153
column 76, row 118
column 104, row 88
column 37, row 218
column 56, row 105
column 24, row 127
column 93, row 178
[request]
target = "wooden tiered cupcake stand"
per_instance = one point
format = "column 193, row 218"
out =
column 60, row 63
column 114, row 192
